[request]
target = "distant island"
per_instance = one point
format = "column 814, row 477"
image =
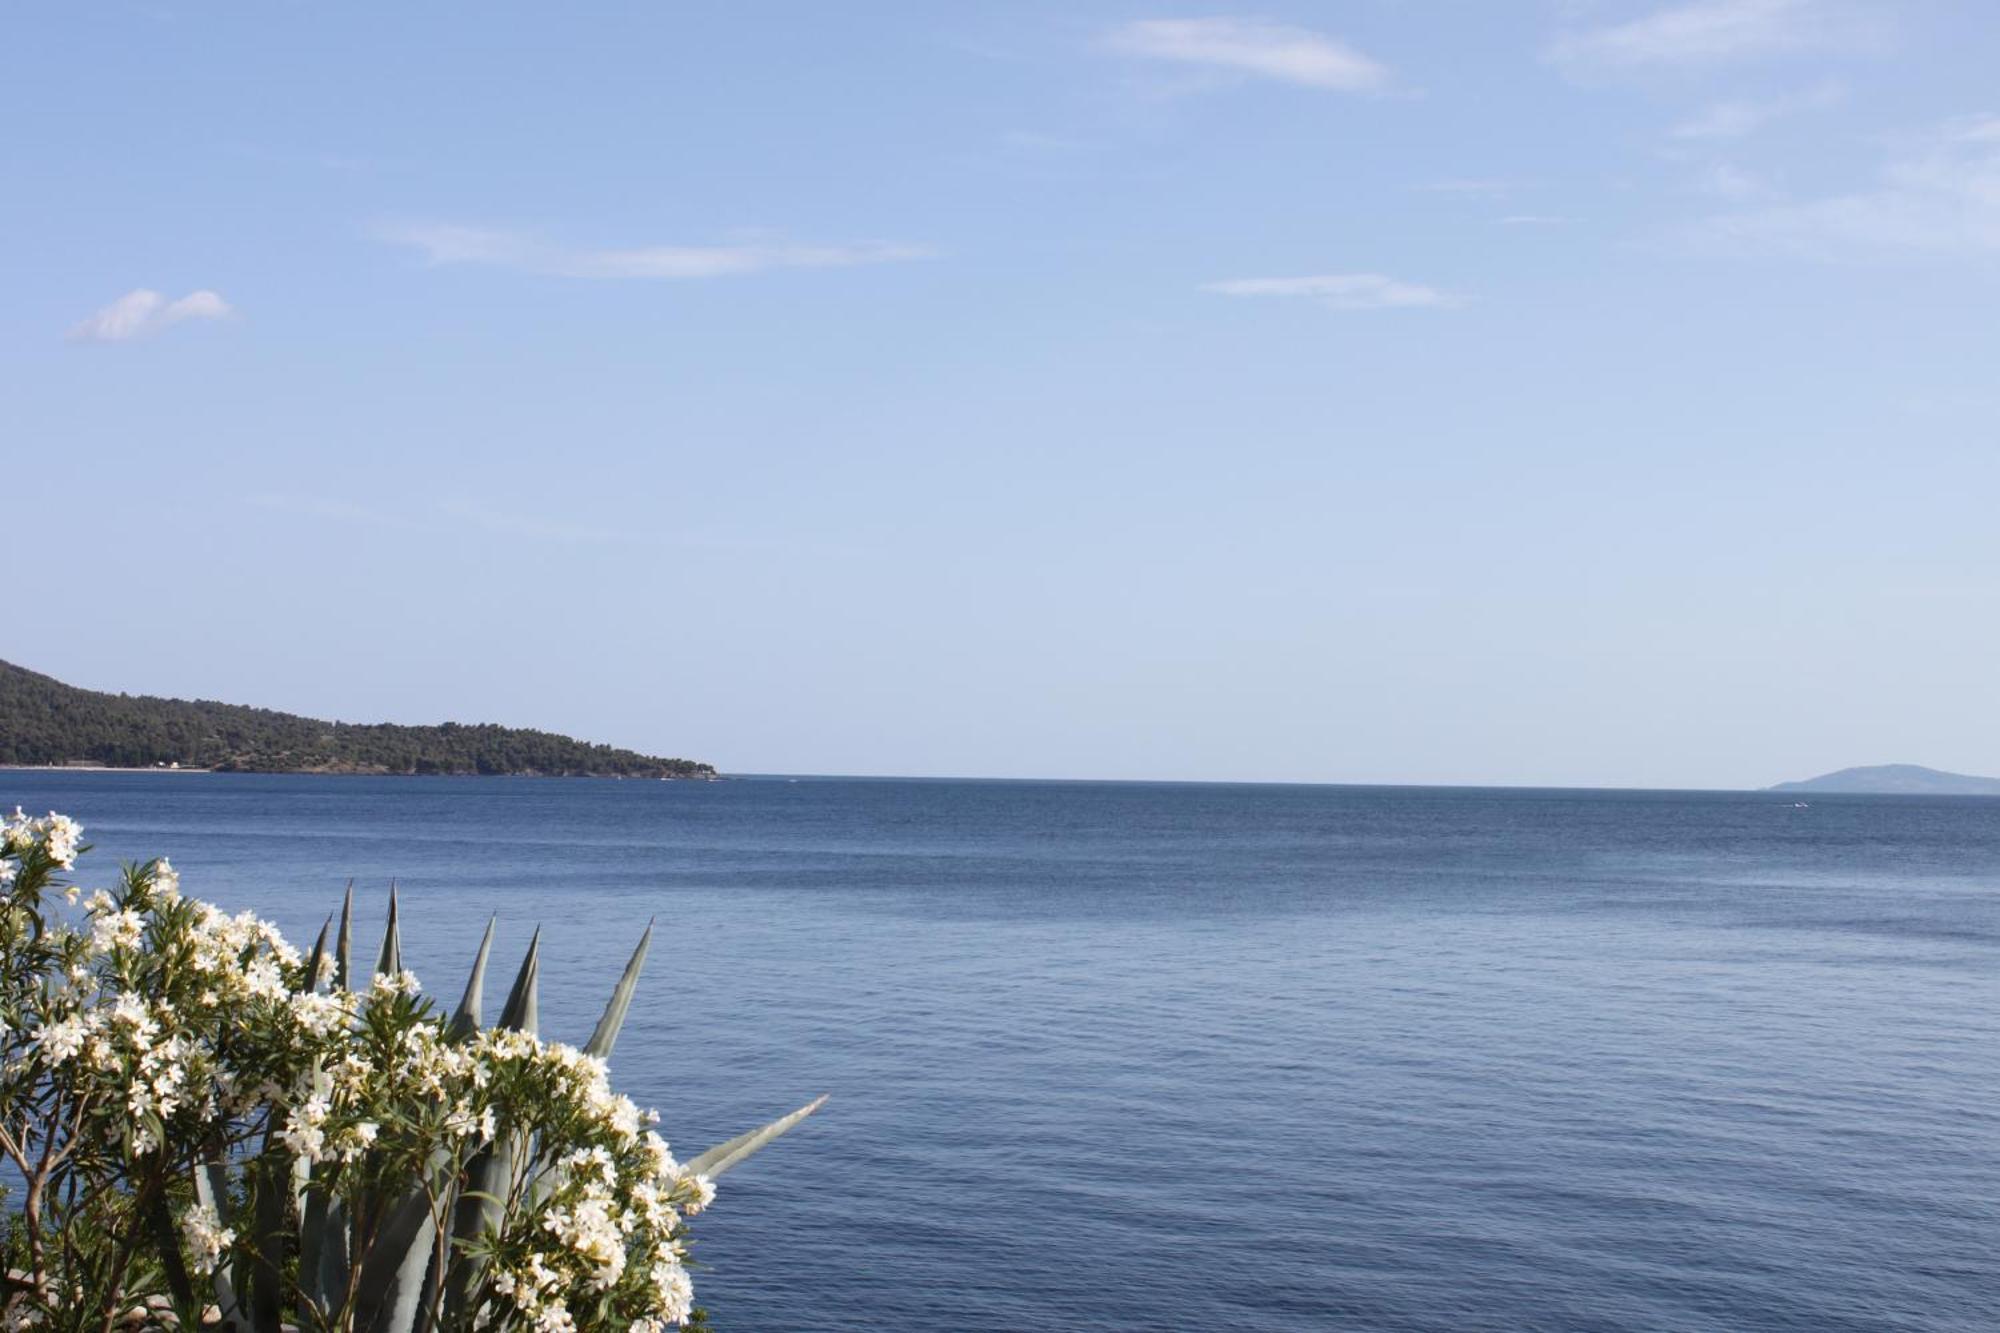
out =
column 1896, row 780
column 44, row 722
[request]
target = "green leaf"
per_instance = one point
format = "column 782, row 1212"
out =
column 160, row 1217
column 606, row 1033
column 726, row 1155
column 211, row 1191
column 343, row 977
column 466, row 1021
column 270, row 1178
column 389, row 962
column 490, row 1173
column 522, row 1011
column 318, row 955
column 390, row 1293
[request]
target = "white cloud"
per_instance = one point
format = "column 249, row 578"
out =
column 1735, row 119
column 1727, row 181
column 1939, row 194
column 1249, row 46
column 1341, row 291
column 447, row 243
column 140, row 313
column 1710, row 32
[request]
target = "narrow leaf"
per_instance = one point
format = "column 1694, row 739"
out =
column 343, row 976
column 606, row 1034
column 726, row 1155
column 270, row 1176
column 159, row 1215
column 389, row 962
column 318, row 955
column 390, row 1292
column 211, row 1191
column 521, row 1011
column 466, row 1021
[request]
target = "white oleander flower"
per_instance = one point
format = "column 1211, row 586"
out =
column 263, row 980
column 17, row 835
column 166, row 881
column 117, row 930
column 206, row 1237
column 60, row 1041
column 59, row 835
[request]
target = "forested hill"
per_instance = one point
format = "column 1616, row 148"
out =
column 43, row 721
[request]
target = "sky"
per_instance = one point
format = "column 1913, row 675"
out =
column 1541, row 392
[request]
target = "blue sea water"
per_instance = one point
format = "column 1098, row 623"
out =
column 1126, row 1056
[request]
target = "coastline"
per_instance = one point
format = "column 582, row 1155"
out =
column 97, row 768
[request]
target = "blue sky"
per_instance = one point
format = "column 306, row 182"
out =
column 1375, row 390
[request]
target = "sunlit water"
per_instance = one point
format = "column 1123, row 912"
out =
column 1110, row 1056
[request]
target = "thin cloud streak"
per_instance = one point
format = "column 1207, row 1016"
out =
column 1736, row 119
column 1341, row 291
column 1940, row 195
column 1252, row 47
column 451, row 243
column 1710, row 32
column 142, row 313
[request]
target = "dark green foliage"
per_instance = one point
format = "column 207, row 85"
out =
column 43, row 721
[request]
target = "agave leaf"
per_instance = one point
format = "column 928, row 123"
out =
column 465, row 1022
column 490, row 1173
column 343, row 976
column 318, row 955
column 159, row 1216
column 390, row 1293
column 606, row 1033
column 211, row 1191
column 726, row 1155
column 270, row 1175
column 522, row 1011
column 389, row 962
column 323, row 1238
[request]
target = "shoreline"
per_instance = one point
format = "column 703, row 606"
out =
column 95, row 768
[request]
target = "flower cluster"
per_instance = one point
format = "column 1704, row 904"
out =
column 168, row 1037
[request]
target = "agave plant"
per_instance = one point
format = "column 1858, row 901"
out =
column 414, row 1249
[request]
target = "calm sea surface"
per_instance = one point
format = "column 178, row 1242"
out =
column 1110, row 1056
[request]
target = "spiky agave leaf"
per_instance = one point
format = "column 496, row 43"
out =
column 465, row 1021
column 323, row 1238
column 726, row 1155
column 211, row 1191
column 272, row 1197
column 489, row 1175
column 389, row 962
column 389, row 1297
column 606, row 1033
column 343, row 976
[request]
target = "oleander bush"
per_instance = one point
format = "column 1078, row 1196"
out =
column 204, row 1128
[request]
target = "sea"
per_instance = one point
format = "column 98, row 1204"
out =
column 1200, row 1057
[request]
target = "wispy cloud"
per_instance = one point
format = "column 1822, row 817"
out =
column 1532, row 220
column 1341, row 291
column 1252, row 47
column 1735, row 119
column 1711, row 32
column 1938, row 194
column 451, row 243
column 141, row 313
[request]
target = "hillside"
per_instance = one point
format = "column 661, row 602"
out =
column 1895, row 780
column 43, row 721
